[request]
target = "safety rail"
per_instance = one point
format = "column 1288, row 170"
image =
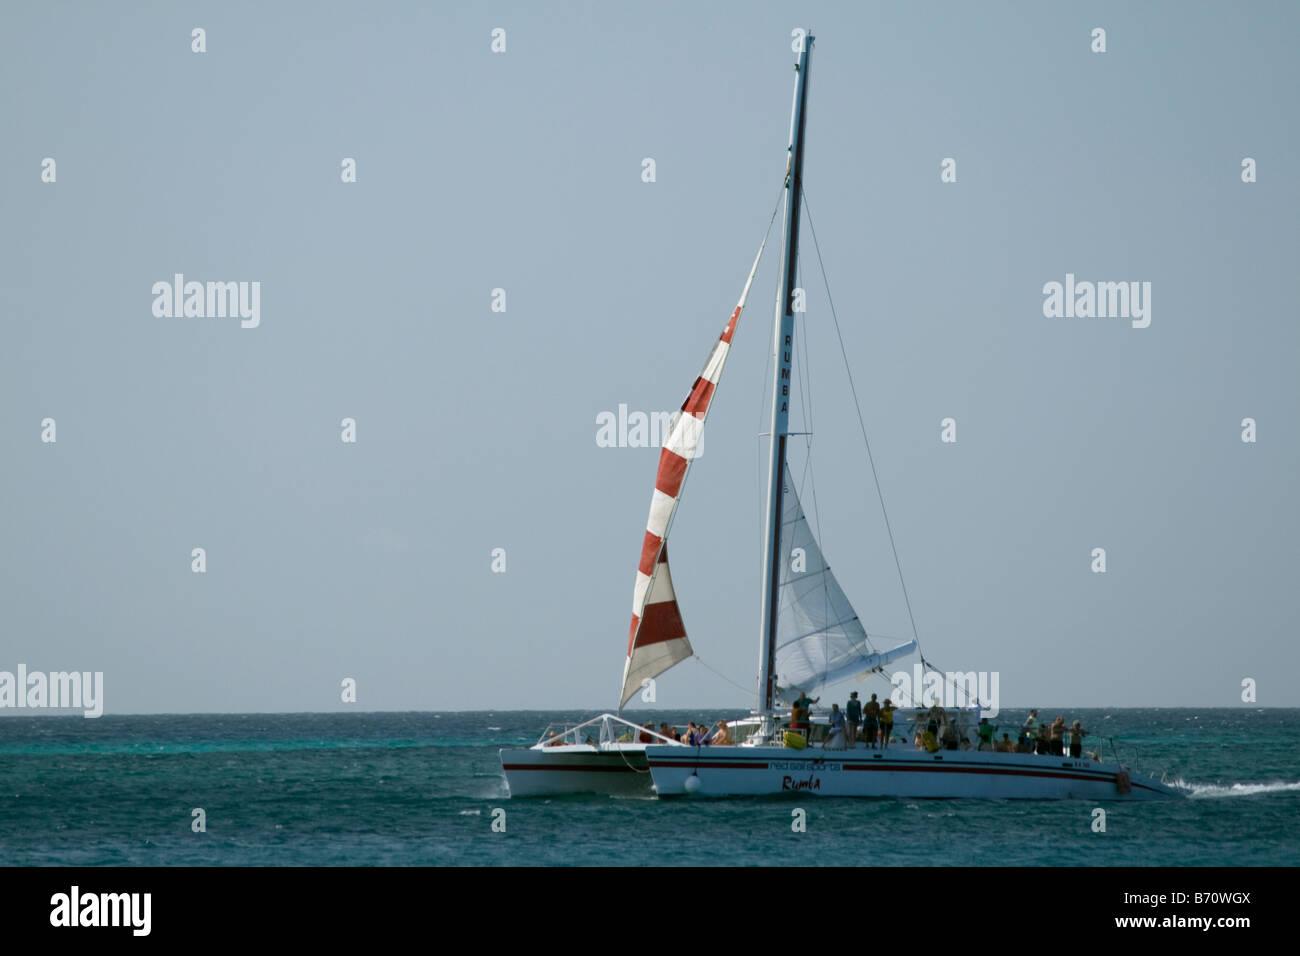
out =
column 607, row 733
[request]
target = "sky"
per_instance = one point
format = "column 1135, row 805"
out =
column 523, row 169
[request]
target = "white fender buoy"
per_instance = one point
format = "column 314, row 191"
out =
column 692, row 783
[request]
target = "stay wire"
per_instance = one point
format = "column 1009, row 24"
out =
column 857, row 404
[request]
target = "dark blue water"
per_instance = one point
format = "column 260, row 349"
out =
column 420, row 788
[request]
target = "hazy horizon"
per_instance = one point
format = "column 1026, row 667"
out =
column 595, row 711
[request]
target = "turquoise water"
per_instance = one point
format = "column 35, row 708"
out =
column 420, row 789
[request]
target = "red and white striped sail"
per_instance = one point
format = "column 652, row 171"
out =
column 657, row 638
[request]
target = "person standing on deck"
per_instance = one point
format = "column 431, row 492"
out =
column 853, row 711
column 935, row 719
column 801, row 712
column 886, row 723
column 836, row 737
column 1058, row 737
column 871, row 721
column 1076, row 740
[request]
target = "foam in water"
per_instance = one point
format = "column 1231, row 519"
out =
column 1237, row 789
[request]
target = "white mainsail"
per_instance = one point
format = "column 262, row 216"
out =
column 819, row 638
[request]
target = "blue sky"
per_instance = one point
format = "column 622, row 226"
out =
column 477, row 429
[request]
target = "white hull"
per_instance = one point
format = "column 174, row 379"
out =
column 897, row 772
column 617, row 769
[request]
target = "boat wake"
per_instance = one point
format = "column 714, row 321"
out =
column 1236, row 789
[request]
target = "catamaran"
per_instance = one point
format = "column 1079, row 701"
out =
column 809, row 634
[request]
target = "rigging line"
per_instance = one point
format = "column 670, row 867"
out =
column 951, row 682
column 807, row 480
column 862, row 424
column 809, row 475
column 803, row 368
column 760, row 471
column 629, row 763
column 719, row 673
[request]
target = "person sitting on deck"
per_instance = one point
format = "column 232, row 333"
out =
column 1006, row 745
column 667, row 731
column 720, row 735
column 1076, row 740
column 985, row 732
column 647, row 735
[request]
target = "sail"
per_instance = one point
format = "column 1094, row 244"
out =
column 657, row 638
column 819, row 638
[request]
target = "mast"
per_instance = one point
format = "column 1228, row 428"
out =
column 783, row 347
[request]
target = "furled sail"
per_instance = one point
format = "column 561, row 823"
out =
column 819, row 638
column 657, row 638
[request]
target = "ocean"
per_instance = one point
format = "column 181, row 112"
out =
column 402, row 789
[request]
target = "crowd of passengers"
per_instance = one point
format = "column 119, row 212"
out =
column 697, row 735
column 937, row 731
column 872, row 723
